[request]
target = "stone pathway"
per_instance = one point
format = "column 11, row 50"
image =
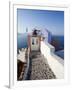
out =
column 40, row 69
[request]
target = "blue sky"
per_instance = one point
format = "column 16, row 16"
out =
column 52, row 20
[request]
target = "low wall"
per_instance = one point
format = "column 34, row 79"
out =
column 55, row 62
column 28, row 65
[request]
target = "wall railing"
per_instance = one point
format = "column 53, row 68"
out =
column 55, row 62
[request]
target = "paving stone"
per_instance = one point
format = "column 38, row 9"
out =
column 40, row 68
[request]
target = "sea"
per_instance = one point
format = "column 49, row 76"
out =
column 58, row 42
column 22, row 40
column 60, row 53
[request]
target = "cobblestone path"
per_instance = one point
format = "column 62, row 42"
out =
column 40, row 68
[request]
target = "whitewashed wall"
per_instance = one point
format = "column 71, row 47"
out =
column 35, row 47
column 55, row 62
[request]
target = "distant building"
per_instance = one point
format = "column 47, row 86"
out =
column 46, row 34
column 34, row 41
column 36, row 36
